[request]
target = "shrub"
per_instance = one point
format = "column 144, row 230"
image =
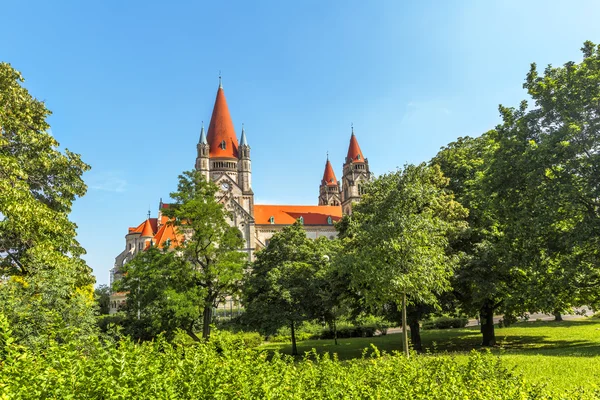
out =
column 225, row 370
column 446, row 323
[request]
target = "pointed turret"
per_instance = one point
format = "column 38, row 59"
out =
column 328, row 175
column 221, row 135
column 243, row 141
column 147, row 229
column 244, row 165
column 329, row 190
column 202, row 135
column 354, row 152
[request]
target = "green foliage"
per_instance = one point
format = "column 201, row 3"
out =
column 162, row 295
column 285, row 284
column 401, row 231
column 46, row 288
column 445, row 323
column 222, row 370
column 213, row 264
column 102, row 299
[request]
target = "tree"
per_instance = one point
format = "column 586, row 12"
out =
column 211, row 247
column 481, row 280
column 162, row 295
column 102, row 299
column 282, row 288
column 555, row 143
column 401, row 230
column 46, row 289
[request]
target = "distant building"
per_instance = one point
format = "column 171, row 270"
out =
column 227, row 162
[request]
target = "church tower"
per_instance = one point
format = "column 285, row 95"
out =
column 356, row 174
column 329, row 191
column 226, row 162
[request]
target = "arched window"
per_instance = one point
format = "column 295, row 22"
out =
column 223, row 145
column 301, row 220
column 329, row 220
column 271, row 220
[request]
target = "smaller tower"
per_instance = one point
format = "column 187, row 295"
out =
column 202, row 159
column 244, row 165
column 329, row 191
column 356, row 174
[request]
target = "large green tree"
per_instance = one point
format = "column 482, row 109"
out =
column 286, row 283
column 46, row 289
column 400, row 241
column 482, row 282
column 211, row 246
column 162, row 295
column 546, row 184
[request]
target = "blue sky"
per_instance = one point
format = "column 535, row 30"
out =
column 130, row 82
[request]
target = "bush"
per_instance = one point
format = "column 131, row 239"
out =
column 160, row 370
column 446, row 323
column 241, row 339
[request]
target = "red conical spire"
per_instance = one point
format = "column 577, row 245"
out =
column 221, row 135
column 329, row 175
column 354, row 152
column 147, row 229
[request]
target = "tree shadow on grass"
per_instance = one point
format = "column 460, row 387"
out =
column 461, row 341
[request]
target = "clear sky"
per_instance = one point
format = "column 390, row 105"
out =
column 130, row 82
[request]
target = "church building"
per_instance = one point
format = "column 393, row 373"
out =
column 226, row 161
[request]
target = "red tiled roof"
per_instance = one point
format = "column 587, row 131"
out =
column 287, row 215
column 166, row 232
column 221, row 130
column 354, row 152
column 140, row 227
column 147, row 229
column 328, row 175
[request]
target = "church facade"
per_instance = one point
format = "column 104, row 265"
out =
column 226, row 161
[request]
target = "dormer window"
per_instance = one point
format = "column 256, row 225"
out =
column 301, row 220
column 223, row 145
column 358, row 157
column 271, row 220
column 329, row 221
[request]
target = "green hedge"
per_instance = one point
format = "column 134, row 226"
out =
column 229, row 370
column 446, row 323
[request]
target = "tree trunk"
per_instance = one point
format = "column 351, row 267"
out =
column 192, row 334
column 486, row 315
column 294, row 347
column 415, row 335
column 206, row 321
column 404, row 326
column 557, row 316
column 335, row 332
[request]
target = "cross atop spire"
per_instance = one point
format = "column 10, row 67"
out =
column 352, row 126
column 220, row 83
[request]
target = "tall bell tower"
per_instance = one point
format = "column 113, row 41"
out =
column 356, row 173
column 224, row 161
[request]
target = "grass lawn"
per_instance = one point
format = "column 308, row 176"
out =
column 564, row 355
